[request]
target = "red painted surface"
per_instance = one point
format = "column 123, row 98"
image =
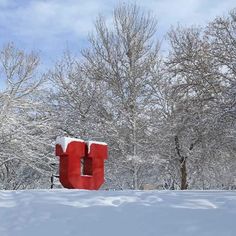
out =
column 79, row 168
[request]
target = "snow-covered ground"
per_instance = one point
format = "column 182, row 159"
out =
column 117, row 213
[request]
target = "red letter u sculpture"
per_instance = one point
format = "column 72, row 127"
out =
column 81, row 163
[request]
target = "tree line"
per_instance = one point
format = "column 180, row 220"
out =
column 168, row 118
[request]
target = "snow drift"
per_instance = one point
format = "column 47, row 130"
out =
column 117, row 213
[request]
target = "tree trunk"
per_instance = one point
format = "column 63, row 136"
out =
column 183, row 174
column 183, row 167
column 135, row 178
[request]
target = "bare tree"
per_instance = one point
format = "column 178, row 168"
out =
column 124, row 58
column 74, row 100
column 200, row 70
column 24, row 149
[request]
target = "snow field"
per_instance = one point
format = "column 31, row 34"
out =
column 117, row 213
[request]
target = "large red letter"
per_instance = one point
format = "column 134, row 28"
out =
column 81, row 164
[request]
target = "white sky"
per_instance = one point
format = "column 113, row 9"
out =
column 51, row 26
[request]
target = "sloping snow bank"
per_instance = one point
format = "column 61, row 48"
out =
column 122, row 213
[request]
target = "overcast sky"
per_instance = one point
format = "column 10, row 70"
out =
column 51, row 26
